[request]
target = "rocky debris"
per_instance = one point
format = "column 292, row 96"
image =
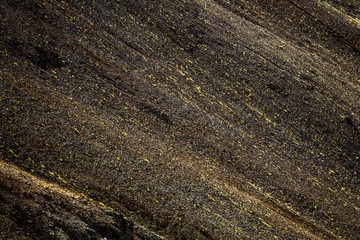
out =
column 206, row 119
column 28, row 211
column 142, row 233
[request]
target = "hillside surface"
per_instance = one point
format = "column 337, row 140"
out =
column 159, row 119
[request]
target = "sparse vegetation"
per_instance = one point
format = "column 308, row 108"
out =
column 204, row 119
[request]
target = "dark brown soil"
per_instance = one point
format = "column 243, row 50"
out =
column 205, row 119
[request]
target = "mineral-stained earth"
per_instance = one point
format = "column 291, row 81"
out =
column 186, row 119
